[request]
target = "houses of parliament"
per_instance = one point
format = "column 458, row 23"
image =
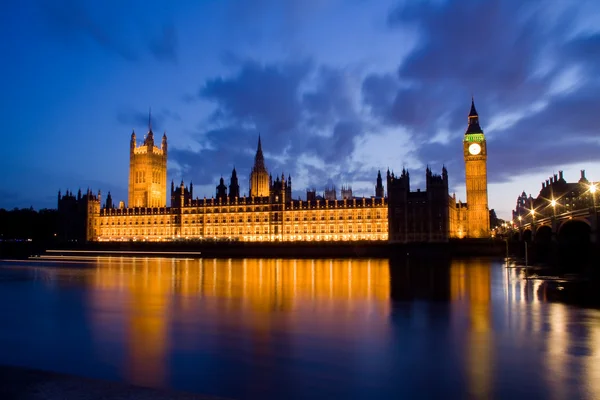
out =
column 394, row 212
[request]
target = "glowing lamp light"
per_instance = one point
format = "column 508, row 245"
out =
column 553, row 203
column 593, row 188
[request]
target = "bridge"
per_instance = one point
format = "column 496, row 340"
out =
column 561, row 210
column 580, row 222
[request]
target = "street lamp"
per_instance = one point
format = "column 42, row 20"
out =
column 553, row 204
column 593, row 190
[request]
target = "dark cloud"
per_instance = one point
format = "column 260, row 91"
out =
column 264, row 96
column 269, row 99
column 489, row 49
column 112, row 25
column 379, row 91
column 72, row 21
column 330, row 101
column 510, row 55
column 228, row 147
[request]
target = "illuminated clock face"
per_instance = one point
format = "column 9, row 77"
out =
column 475, row 149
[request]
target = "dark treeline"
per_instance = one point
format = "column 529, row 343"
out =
column 27, row 223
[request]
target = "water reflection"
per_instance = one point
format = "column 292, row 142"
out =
column 255, row 291
column 343, row 328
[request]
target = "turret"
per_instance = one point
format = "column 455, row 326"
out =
column 221, row 190
column 379, row 192
column 109, row 201
column 164, row 144
column 234, row 187
column 288, row 189
column 132, row 142
column 182, row 196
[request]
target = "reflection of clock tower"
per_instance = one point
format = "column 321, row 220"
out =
column 475, row 151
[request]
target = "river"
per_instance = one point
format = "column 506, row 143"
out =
column 263, row 328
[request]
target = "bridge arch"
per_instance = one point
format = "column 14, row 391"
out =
column 543, row 234
column 574, row 244
column 574, row 220
column 527, row 235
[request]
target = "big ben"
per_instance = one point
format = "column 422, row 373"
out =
column 475, row 152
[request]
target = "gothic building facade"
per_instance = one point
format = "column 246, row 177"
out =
column 270, row 214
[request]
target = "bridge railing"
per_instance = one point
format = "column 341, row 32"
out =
column 559, row 217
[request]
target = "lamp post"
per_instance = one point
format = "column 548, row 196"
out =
column 553, row 204
column 593, row 190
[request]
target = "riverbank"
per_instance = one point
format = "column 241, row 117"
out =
column 198, row 249
column 29, row 384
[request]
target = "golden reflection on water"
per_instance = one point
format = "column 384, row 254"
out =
column 491, row 308
column 146, row 287
column 470, row 286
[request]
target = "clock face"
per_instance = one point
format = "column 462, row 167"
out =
column 474, row 149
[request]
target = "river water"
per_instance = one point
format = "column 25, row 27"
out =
column 343, row 328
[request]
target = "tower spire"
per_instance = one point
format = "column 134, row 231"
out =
column 150, row 119
column 259, row 159
column 473, row 119
column 473, row 112
column 259, row 144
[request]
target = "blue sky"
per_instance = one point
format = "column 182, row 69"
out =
column 337, row 90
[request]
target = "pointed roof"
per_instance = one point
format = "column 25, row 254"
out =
column 473, row 120
column 259, row 158
column 473, row 112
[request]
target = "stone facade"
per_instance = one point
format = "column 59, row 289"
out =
column 270, row 214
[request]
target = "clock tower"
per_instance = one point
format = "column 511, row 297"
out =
column 475, row 152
